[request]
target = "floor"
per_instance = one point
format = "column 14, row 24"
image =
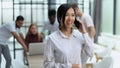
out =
column 37, row 61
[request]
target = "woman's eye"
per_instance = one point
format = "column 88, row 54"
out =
column 73, row 15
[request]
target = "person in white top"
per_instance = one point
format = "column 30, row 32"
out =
column 50, row 25
column 64, row 46
column 86, row 19
column 6, row 31
column 88, row 22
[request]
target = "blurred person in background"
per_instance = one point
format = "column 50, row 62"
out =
column 33, row 35
column 8, row 30
column 51, row 25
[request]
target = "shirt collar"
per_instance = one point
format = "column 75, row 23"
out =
column 64, row 36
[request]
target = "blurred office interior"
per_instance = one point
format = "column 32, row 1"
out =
column 105, row 15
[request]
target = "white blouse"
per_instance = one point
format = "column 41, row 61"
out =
column 62, row 51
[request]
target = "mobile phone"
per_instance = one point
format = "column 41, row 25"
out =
column 77, row 24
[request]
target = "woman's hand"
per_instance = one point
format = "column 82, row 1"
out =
column 25, row 49
column 75, row 66
column 82, row 26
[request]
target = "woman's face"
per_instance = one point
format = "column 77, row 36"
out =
column 69, row 18
column 33, row 29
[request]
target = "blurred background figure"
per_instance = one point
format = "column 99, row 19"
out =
column 33, row 35
column 51, row 25
column 88, row 22
column 86, row 19
column 6, row 32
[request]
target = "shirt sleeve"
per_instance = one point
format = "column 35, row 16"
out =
column 49, row 61
column 88, row 45
column 11, row 27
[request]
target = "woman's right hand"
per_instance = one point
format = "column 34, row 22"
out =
column 75, row 66
column 25, row 49
column 82, row 26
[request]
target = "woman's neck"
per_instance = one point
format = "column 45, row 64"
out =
column 67, row 32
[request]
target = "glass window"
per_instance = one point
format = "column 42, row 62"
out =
column 6, row 0
column 0, row 14
column 59, row 2
column 28, row 1
column 27, row 13
column 38, row 14
column 7, row 11
column 107, row 16
column 84, row 5
column 92, row 7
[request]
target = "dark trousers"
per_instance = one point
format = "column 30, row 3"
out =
column 6, row 53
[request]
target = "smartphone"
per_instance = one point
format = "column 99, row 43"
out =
column 77, row 24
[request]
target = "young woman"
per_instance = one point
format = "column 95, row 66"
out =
column 33, row 35
column 63, row 48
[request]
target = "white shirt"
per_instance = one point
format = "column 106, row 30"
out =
column 87, row 20
column 62, row 51
column 50, row 27
column 5, row 32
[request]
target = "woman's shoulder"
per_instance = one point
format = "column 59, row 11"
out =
column 77, row 33
column 54, row 37
column 54, row 34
